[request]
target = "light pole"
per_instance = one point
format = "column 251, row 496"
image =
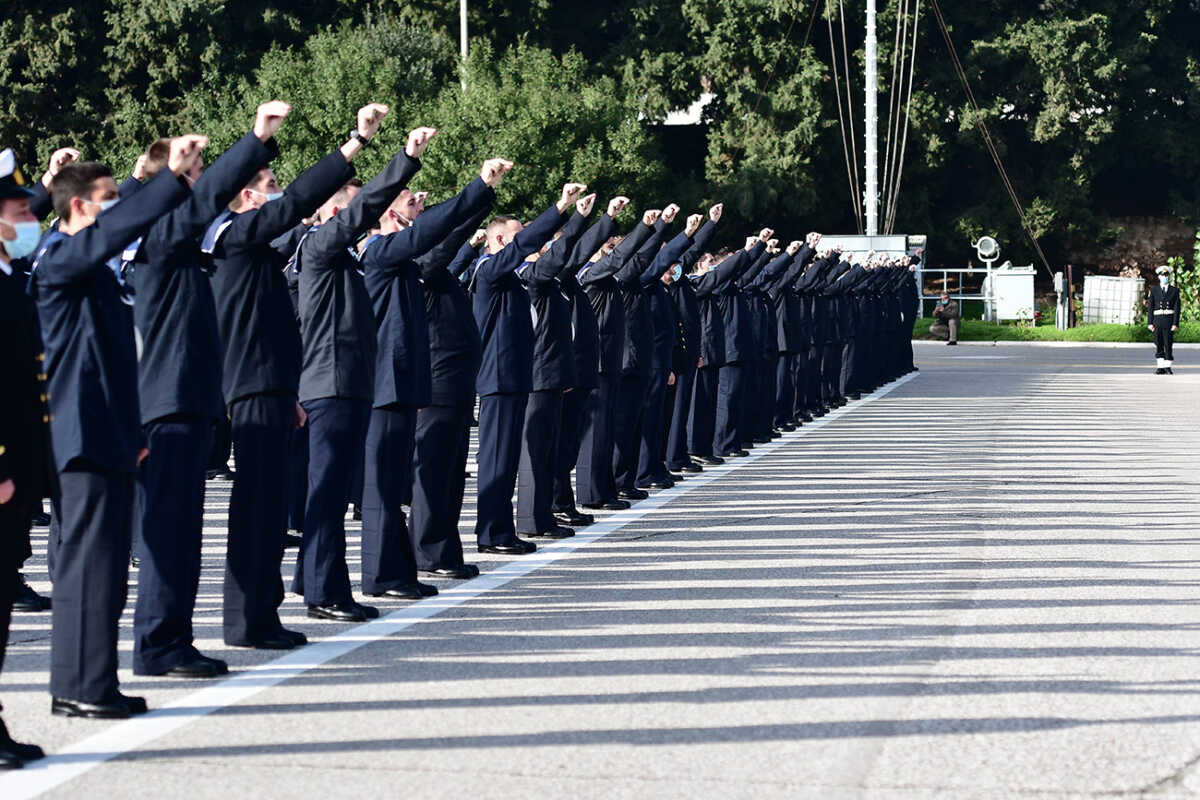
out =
column 872, row 118
column 462, row 39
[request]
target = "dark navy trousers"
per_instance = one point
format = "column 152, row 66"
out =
column 627, row 430
column 785, row 389
column 91, row 580
column 594, row 472
column 337, row 429
column 297, row 475
column 439, row 477
column 539, row 449
column 577, row 409
column 501, row 421
column 680, row 409
column 263, row 428
column 170, row 485
column 388, row 561
column 704, row 411
column 730, row 395
column 651, row 465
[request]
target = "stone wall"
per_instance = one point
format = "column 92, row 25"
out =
column 1144, row 243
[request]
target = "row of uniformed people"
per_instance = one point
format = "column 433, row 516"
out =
column 384, row 369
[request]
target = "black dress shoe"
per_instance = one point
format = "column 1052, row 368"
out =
column 735, row 454
column 357, row 514
column 463, row 573
column 855, row 396
column 518, row 548
column 806, row 417
column 710, row 460
column 371, row 612
column 659, row 484
column 40, row 520
column 787, row 427
column 691, row 466
column 557, row 532
column 338, row 612
column 762, row 440
column 11, row 751
column 291, row 540
column 409, row 591
column 199, row 666
column 608, row 505
column 282, row 639
column 27, row 599
column 120, row 707
column 632, row 494
column 1170, row 370
column 574, row 517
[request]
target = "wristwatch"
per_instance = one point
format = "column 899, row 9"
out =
column 363, row 140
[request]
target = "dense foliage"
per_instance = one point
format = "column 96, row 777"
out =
column 1094, row 104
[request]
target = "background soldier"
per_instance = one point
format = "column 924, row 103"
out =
column 1163, row 313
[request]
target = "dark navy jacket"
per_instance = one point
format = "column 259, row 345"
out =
column 553, row 356
column 585, row 329
column 735, row 313
column 638, row 350
column 788, row 311
column 455, row 349
column 403, row 373
column 91, row 358
column 255, row 313
column 662, row 308
column 686, row 306
column 176, row 315
column 712, row 323
column 337, row 324
column 503, row 312
column 605, row 296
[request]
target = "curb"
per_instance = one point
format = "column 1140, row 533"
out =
column 1108, row 345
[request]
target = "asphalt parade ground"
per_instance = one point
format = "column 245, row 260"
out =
column 981, row 581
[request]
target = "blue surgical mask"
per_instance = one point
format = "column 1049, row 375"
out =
column 28, row 234
column 676, row 272
column 105, row 205
column 1164, row 279
column 270, row 196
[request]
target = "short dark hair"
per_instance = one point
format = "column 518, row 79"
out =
column 75, row 180
column 157, row 156
column 342, row 196
column 500, row 219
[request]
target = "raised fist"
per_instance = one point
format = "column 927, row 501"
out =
column 418, row 140
column 650, row 217
column 369, row 118
column 668, row 214
column 693, row 224
column 765, row 234
column 584, row 205
column 570, row 193
column 617, row 205
column 714, row 213
column 813, row 239
column 478, row 238
column 750, row 242
column 139, row 167
column 59, row 159
column 269, row 117
column 185, row 152
column 773, row 245
column 494, row 170
column 794, row 247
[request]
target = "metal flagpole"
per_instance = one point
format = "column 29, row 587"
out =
column 871, row 197
column 462, row 38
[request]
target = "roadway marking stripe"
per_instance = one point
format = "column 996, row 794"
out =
column 128, row 735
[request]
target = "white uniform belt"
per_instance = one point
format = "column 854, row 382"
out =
column 1159, row 311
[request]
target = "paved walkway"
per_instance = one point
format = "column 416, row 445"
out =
column 982, row 583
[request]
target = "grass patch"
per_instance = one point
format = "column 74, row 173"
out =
column 976, row 330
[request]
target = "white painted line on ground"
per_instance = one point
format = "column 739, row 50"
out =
column 128, row 735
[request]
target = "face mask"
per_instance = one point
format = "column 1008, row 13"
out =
column 105, row 205
column 270, row 196
column 28, row 234
column 676, row 272
column 1164, row 280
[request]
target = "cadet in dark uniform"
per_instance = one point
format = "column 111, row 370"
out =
column 261, row 379
column 403, row 381
column 663, row 271
column 444, row 426
column 739, row 347
column 594, row 481
column 179, row 388
column 337, row 381
column 553, row 375
column 91, row 362
column 789, row 323
column 1163, row 310
column 502, row 312
column 688, row 347
column 579, row 404
column 24, row 438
